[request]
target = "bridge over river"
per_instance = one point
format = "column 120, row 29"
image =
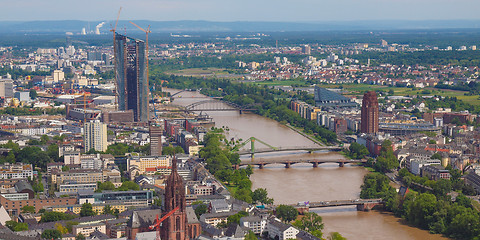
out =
column 315, row 162
column 362, row 204
column 286, row 149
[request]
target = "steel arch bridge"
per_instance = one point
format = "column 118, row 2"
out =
column 217, row 105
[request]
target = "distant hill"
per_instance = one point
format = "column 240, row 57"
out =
column 74, row 26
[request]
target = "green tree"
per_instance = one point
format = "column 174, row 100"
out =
column 357, row 151
column 52, row 152
column 168, row 150
column 35, row 156
column 87, row 210
column 69, row 225
column 157, row 202
column 51, row 234
column 16, row 226
column 386, row 161
column 44, row 139
column 178, row 149
column 235, row 218
column 243, row 194
column 105, row 186
column 442, row 187
column 286, row 213
column 80, row 237
column 129, row 185
column 311, row 223
column 61, row 228
column 28, row 209
column 336, row 236
column 201, row 209
column 260, row 195
column 250, row 236
column 55, row 216
column 249, row 170
column 107, row 210
column 436, row 156
column 119, row 149
column 422, row 209
column 33, row 94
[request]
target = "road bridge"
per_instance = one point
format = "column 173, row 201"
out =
column 315, row 162
column 216, row 105
column 362, row 204
column 285, row 149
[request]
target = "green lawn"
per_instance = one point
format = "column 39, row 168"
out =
column 282, row 83
column 198, row 71
column 358, row 89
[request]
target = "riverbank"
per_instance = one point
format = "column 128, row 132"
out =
column 305, row 135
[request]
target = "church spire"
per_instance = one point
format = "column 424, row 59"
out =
column 174, row 164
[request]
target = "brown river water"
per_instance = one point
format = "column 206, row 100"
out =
column 302, row 182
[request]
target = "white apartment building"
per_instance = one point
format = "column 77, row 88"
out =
column 95, row 136
column 14, row 171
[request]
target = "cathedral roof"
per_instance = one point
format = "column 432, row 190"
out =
column 143, row 218
column 191, row 216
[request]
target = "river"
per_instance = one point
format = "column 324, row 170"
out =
column 302, row 182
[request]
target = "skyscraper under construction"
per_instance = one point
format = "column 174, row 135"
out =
column 131, row 76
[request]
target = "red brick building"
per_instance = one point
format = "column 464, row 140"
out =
column 369, row 122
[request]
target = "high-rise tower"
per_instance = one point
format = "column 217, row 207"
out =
column 131, row 76
column 369, row 120
column 156, row 140
column 95, row 136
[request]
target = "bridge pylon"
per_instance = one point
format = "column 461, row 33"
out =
column 252, row 141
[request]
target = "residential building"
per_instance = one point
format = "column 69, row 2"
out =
column 15, row 171
column 95, row 136
column 417, row 164
column 143, row 164
column 22, row 96
column 254, row 223
column 91, row 162
column 156, row 140
column 281, row 231
column 75, row 187
column 71, row 158
column 14, row 207
column 87, row 229
column 6, row 88
column 435, row 172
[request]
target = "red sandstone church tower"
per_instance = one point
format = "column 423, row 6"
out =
column 175, row 226
column 369, row 120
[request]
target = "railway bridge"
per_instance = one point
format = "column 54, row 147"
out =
column 315, row 162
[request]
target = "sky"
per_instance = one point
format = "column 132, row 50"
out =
column 240, row 10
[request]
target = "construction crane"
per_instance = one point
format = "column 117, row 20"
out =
column 85, row 94
column 153, row 102
column 115, row 54
column 157, row 223
column 146, row 41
